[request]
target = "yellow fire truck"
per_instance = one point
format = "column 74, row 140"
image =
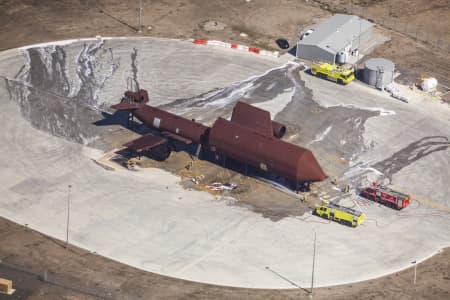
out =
column 332, row 72
column 340, row 214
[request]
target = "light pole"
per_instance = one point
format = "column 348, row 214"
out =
column 313, row 263
column 68, row 215
column 415, row 270
column 359, row 40
column 140, row 17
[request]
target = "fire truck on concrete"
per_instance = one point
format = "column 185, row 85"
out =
column 386, row 196
column 340, row 214
column 332, row 72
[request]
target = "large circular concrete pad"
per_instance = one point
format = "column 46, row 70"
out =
column 51, row 95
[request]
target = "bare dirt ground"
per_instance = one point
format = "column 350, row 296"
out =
column 260, row 197
column 250, row 192
column 25, row 22
column 78, row 274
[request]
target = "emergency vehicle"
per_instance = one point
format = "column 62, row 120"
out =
column 340, row 214
column 386, row 196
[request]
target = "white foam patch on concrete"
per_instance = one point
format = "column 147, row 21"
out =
column 270, row 86
column 382, row 111
column 45, row 54
column 319, row 137
column 278, row 103
column 241, row 88
column 68, row 42
column 358, row 170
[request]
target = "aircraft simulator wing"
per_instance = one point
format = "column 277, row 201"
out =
column 145, row 143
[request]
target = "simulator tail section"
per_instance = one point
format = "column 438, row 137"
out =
column 132, row 100
column 257, row 119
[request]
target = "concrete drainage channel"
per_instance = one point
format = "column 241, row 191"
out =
column 51, row 95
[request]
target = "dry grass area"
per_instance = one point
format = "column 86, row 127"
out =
column 42, row 268
column 26, row 21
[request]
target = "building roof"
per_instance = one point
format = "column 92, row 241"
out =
column 337, row 32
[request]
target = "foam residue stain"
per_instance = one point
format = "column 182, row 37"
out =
column 60, row 96
column 321, row 136
column 208, row 106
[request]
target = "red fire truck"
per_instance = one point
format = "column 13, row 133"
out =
column 386, row 196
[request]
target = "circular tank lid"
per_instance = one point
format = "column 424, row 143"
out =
column 375, row 63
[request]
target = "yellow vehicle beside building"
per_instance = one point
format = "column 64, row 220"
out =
column 340, row 214
column 332, row 72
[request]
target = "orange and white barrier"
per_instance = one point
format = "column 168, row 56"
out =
column 201, row 42
column 237, row 47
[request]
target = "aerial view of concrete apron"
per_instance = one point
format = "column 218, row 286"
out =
column 222, row 166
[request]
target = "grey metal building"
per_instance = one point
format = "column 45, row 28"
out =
column 338, row 36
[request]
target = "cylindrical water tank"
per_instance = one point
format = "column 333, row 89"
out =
column 341, row 58
column 378, row 72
